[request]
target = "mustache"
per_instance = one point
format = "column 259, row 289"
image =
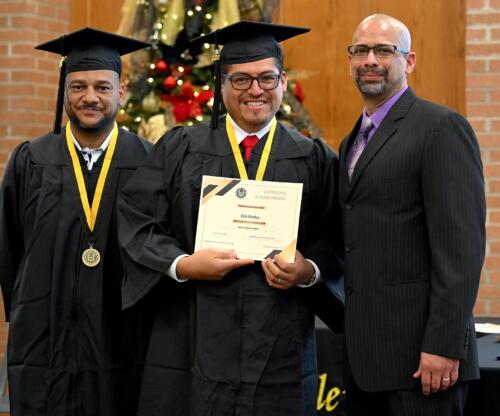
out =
column 89, row 107
column 376, row 71
column 247, row 96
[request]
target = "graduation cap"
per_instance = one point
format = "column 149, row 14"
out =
column 245, row 41
column 88, row 49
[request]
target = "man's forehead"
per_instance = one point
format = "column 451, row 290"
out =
column 381, row 28
column 98, row 75
column 377, row 30
column 262, row 65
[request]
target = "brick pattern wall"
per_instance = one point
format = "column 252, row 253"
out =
column 28, row 78
column 483, row 111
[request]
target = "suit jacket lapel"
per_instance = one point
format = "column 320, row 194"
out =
column 385, row 131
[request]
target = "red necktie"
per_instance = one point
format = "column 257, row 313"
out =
column 248, row 144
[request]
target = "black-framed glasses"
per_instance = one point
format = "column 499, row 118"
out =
column 380, row 51
column 267, row 81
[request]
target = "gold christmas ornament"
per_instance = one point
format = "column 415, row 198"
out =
column 151, row 103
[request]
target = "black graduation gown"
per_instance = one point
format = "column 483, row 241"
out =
column 71, row 349
column 235, row 346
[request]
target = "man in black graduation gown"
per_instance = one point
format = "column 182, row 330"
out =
column 71, row 349
column 234, row 337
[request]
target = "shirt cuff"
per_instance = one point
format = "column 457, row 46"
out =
column 316, row 278
column 172, row 269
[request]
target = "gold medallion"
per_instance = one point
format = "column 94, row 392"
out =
column 91, row 257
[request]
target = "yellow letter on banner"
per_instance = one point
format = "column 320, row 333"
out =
column 331, row 402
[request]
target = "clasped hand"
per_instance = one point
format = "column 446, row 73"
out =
column 211, row 264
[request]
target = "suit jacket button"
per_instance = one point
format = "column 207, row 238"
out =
column 347, row 249
column 348, row 207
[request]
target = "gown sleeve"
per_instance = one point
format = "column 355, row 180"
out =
column 325, row 239
column 144, row 225
column 11, row 227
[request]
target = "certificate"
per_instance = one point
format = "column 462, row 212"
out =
column 257, row 219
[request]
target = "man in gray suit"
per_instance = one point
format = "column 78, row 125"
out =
column 412, row 194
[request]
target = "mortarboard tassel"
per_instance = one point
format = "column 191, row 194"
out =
column 60, row 99
column 217, row 98
column 218, row 75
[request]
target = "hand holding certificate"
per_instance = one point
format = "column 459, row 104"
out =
column 257, row 219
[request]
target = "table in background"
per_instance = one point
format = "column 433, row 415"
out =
column 483, row 398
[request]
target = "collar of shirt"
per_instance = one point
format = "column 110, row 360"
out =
column 92, row 154
column 241, row 134
column 378, row 116
column 102, row 148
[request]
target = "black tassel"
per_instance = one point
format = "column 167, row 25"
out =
column 217, row 70
column 60, row 99
column 217, row 98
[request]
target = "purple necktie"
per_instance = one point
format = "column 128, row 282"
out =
column 359, row 145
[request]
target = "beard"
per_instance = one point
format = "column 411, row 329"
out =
column 372, row 88
column 102, row 125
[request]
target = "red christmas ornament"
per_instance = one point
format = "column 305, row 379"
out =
column 161, row 66
column 170, row 82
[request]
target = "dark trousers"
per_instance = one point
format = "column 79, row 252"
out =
column 450, row 402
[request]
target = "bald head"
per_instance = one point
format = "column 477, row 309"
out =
column 379, row 75
column 381, row 24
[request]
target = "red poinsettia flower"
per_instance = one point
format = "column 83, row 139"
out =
column 184, row 109
column 181, row 111
column 204, row 96
column 187, row 90
column 297, row 91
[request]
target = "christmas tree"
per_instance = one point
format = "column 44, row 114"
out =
column 172, row 83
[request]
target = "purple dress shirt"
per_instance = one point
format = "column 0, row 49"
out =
column 376, row 118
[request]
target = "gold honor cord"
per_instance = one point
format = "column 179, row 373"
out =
column 91, row 256
column 237, row 154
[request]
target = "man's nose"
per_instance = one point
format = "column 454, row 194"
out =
column 371, row 58
column 255, row 88
column 90, row 95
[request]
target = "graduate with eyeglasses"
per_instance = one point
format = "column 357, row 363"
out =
column 235, row 337
column 71, row 350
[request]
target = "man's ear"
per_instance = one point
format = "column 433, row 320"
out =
column 284, row 80
column 122, row 90
column 411, row 60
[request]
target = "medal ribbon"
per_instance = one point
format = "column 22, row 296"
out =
column 237, row 154
column 91, row 212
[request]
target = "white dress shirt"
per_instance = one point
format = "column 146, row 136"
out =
column 92, row 154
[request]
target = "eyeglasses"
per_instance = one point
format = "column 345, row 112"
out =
column 380, row 51
column 244, row 81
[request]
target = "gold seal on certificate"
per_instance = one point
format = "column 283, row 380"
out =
column 257, row 219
